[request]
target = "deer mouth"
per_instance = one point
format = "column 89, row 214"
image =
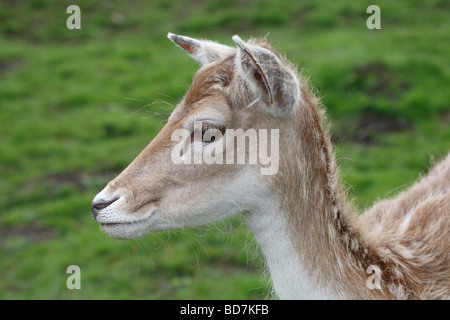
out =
column 147, row 218
column 129, row 229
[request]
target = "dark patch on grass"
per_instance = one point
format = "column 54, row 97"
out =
column 66, row 178
column 446, row 117
column 364, row 128
column 8, row 66
column 384, row 86
column 80, row 181
column 13, row 3
column 377, row 80
column 60, row 185
column 32, row 233
column 112, row 130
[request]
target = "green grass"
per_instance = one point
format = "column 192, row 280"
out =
column 77, row 106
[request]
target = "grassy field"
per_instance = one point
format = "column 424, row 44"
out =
column 76, row 106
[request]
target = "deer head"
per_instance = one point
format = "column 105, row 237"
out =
column 237, row 88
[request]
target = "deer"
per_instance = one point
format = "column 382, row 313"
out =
column 315, row 244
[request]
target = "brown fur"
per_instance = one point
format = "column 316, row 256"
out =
column 405, row 237
column 340, row 238
column 219, row 74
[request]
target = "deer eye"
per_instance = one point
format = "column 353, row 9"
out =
column 209, row 133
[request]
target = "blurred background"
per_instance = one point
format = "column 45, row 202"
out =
column 76, row 106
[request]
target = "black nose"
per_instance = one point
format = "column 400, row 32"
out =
column 100, row 204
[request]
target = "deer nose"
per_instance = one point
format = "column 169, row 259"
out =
column 100, row 204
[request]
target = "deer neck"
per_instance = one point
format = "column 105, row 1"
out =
column 307, row 234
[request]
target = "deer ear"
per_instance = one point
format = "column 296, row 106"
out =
column 202, row 51
column 267, row 76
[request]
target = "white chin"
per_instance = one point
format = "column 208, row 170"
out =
column 125, row 231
